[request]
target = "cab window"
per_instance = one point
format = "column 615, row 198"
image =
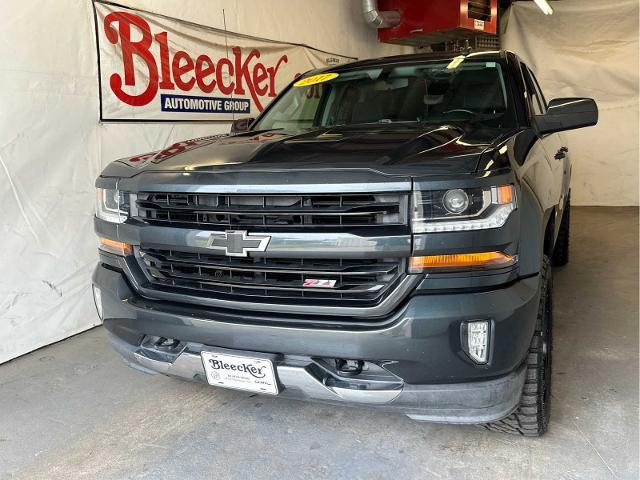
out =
column 536, row 99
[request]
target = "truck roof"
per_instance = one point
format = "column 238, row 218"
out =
column 415, row 57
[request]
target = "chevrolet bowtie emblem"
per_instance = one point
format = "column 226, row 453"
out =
column 238, row 243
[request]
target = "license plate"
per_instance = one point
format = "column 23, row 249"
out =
column 241, row 373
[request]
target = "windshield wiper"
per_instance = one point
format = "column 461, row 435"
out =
column 262, row 130
column 384, row 121
column 388, row 120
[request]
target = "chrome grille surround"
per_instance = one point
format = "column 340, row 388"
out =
column 356, row 243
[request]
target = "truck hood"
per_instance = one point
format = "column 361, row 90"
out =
column 388, row 149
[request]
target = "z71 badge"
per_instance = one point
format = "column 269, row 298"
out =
column 319, row 283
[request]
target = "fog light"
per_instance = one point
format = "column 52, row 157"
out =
column 478, row 340
column 97, row 298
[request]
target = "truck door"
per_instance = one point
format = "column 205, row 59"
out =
column 554, row 145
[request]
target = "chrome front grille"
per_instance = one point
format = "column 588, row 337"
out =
column 267, row 212
column 347, row 282
column 337, row 253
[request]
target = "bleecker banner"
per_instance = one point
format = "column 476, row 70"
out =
column 155, row 68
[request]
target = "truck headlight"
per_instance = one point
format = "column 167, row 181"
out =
column 112, row 205
column 462, row 209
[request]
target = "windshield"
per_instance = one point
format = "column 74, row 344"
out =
column 458, row 90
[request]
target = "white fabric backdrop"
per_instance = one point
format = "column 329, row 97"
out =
column 52, row 146
column 589, row 48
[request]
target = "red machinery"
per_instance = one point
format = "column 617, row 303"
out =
column 424, row 22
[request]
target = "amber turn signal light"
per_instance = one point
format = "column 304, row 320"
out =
column 113, row 246
column 461, row 261
column 504, row 194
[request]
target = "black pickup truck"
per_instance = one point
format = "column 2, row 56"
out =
column 382, row 235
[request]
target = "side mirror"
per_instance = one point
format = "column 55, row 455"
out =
column 567, row 114
column 240, row 125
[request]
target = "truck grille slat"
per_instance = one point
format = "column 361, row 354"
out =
column 275, row 284
column 224, row 263
column 361, row 210
column 357, row 281
column 272, row 211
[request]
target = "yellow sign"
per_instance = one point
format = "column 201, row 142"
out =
column 313, row 79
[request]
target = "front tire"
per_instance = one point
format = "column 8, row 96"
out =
column 531, row 417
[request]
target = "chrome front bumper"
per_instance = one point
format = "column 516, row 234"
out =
column 301, row 378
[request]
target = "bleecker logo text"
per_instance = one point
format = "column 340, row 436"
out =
column 249, row 368
column 235, row 75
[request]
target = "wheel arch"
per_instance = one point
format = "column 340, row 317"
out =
column 534, row 237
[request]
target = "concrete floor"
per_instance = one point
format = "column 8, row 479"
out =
column 73, row 410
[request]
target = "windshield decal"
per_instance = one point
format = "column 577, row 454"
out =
column 315, row 79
